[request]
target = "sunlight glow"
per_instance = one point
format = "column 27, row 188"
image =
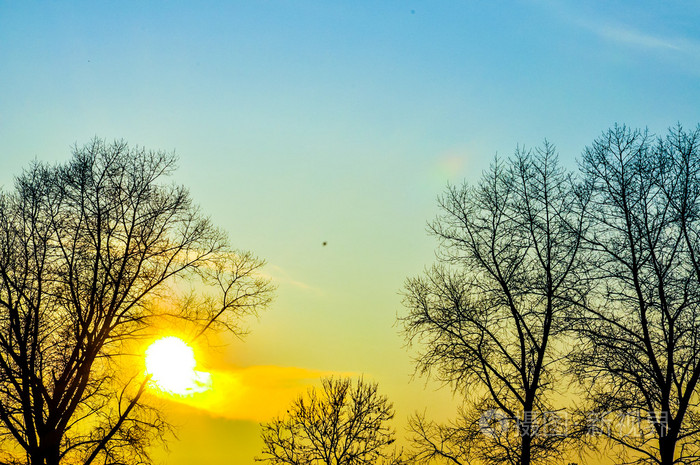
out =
column 171, row 363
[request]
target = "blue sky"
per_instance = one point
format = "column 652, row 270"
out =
column 299, row 122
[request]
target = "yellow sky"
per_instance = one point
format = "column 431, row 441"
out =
column 221, row 423
column 304, row 122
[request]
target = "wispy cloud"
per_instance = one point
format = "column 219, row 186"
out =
column 279, row 275
column 619, row 32
column 257, row 393
column 626, row 35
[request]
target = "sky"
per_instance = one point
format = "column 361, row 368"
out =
column 300, row 122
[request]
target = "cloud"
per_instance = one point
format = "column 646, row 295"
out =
column 629, row 36
column 279, row 275
column 257, row 393
column 618, row 31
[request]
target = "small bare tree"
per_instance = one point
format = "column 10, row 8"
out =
column 488, row 314
column 88, row 250
column 344, row 423
column 455, row 443
column 639, row 331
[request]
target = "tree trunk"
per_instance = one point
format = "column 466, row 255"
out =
column 525, row 449
column 526, row 432
column 35, row 457
column 667, row 449
column 49, row 452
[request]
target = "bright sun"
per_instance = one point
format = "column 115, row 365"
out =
column 170, row 362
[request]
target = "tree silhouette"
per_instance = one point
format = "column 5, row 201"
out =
column 89, row 250
column 639, row 332
column 487, row 315
column 343, row 423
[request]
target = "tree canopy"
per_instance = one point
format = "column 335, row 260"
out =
column 545, row 274
column 343, row 423
column 89, row 251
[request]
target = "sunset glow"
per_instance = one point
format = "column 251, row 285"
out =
column 171, row 363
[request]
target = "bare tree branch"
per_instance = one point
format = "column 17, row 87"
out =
column 486, row 316
column 86, row 250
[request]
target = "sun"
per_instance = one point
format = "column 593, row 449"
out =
column 171, row 364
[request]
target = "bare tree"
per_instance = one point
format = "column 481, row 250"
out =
column 88, row 251
column 455, row 443
column 640, row 330
column 344, row 423
column 487, row 315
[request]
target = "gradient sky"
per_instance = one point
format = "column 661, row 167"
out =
column 299, row 122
